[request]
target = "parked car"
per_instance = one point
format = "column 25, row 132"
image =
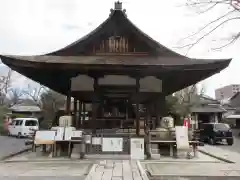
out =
column 23, row 127
column 216, row 132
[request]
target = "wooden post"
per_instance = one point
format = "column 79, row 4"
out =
column 147, row 117
column 158, row 112
column 151, row 115
column 126, row 120
column 75, row 124
column 80, row 114
column 137, row 108
column 83, row 112
column 163, row 107
column 94, row 107
column 68, row 104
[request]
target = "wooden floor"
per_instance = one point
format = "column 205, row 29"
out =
column 117, row 170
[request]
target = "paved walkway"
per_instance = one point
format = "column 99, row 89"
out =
column 45, row 169
column 10, row 145
column 221, row 153
column 117, row 170
column 192, row 169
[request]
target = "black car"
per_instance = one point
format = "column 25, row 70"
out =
column 216, row 132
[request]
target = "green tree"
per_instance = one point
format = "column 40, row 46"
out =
column 185, row 100
column 51, row 101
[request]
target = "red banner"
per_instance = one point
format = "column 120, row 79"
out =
column 186, row 123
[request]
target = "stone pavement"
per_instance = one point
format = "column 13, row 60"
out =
column 92, row 169
column 10, row 145
column 220, row 153
column 195, row 178
column 113, row 169
column 191, row 169
column 117, row 170
column 45, row 169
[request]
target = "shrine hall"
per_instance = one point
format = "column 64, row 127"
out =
column 119, row 70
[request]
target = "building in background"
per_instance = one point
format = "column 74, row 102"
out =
column 227, row 92
column 205, row 109
column 26, row 110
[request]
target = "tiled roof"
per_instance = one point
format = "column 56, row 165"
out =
column 23, row 108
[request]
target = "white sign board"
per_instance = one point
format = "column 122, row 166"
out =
column 97, row 141
column 182, row 137
column 88, row 139
column 59, row 133
column 65, row 121
column 68, row 132
column 112, row 144
column 76, row 134
column 44, row 137
column 137, row 148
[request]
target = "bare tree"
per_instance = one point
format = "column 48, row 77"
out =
column 5, row 83
column 231, row 15
column 15, row 95
column 34, row 93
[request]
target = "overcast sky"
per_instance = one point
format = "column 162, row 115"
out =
column 32, row 27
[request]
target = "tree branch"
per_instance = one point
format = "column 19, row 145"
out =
column 222, row 19
column 35, row 93
column 232, row 41
column 190, row 46
column 209, row 4
column 207, row 25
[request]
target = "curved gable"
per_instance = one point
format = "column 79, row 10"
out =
column 116, row 35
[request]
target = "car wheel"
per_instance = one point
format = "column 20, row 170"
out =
column 230, row 142
column 19, row 135
column 211, row 141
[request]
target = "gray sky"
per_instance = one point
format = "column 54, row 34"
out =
column 31, row 27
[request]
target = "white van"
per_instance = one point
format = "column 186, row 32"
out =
column 22, row 127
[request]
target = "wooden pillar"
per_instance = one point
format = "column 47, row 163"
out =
column 163, row 105
column 83, row 113
column 68, row 104
column 162, row 100
column 161, row 110
column 147, row 116
column 151, row 113
column 127, row 105
column 196, row 121
column 79, row 114
column 75, row 113
column 137, row 108
column 157, row 111
column 94, row 106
